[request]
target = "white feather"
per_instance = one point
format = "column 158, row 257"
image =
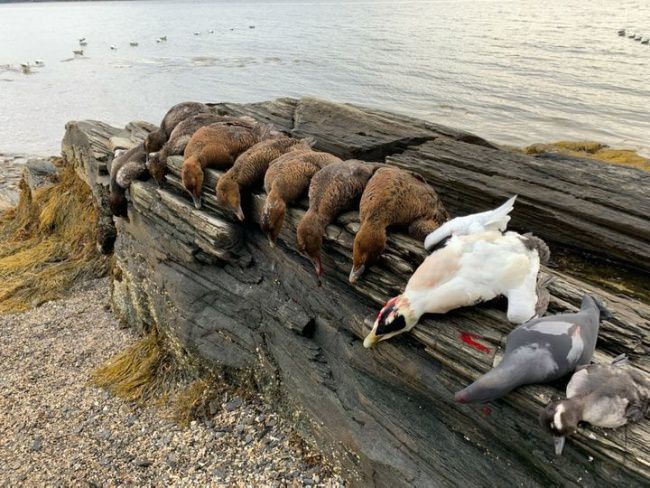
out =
column 471, row 269
column 496, row 219
column 523, row 298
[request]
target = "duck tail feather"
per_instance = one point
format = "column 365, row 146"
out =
column 437, row 236
column 534, row 242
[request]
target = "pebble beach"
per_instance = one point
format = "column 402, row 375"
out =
column 57, row 430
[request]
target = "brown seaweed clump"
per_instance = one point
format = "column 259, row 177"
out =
column 592, row 150
column 47, row 242
column 142, row 372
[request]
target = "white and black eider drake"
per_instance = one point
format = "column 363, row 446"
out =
column 539, row 351
column 496, row 219
column 468, row 270
column 604, row 395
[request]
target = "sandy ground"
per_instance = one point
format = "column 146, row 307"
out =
column 55, row 430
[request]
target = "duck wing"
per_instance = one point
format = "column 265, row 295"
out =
column 522, row 300
column 496, row 219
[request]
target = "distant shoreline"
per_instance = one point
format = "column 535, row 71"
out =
column 56, row 1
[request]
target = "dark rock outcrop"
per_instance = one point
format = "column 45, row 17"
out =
column 219, row 291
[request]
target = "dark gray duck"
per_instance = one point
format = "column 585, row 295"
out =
column 539, row 351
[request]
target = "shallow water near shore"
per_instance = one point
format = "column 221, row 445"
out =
column 514, row 72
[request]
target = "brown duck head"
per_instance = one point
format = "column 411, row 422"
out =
column 369, row 243
column 310, row 239
column 192, row 178
column 118, row 204
column 157, row 169
column 228, row 195
column 155, row 141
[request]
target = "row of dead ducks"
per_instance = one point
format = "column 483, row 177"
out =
column 473, row 258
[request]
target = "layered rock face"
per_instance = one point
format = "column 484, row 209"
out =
column 221, row 293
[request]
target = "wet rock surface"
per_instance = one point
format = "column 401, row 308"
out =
column 55, row 430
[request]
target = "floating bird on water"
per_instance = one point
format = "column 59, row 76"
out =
column 251, row 27
column 540, row 351
column 603, row 395
column 197, row 33
column 82, row 39
column 645, row 41
column 631, row 36
column 78, row 52
column 161, row 38
column 133, row 44
column 113, row 47
column 211, row 31
column 496, row 219
column 621, row 32
column 26, row 68
column 83, row 43
column 393, row 197
column 638, row 37
column 468, row 270
column 39, row 62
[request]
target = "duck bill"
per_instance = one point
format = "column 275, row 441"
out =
column 197, row 201
column 240, row 214
column 318, row 266
column 356, row 273
column 371, row 340
column 559, row 445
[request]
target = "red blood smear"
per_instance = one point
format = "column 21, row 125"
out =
column 486, row 411
column 468, row 339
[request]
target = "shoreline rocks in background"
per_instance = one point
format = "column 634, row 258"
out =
column 590, row 150
column 11, row 171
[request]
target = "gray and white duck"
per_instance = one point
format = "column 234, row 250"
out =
column 603, row 395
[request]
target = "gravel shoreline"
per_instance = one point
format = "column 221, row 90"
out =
column 56, row 430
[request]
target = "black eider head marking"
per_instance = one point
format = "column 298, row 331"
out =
column 390, row 319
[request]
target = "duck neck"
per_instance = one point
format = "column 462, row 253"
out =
column 495, row 383
column 416, row 302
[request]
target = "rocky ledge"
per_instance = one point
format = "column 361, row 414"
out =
column 219, row 291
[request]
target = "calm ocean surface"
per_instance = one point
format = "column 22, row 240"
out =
column 515, row 72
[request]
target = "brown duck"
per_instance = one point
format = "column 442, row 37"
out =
column 125, row 168
column 180, row 136
column 179, row 112
column 285, row 181
column 215, row 146
column 249, row 169
column 333, row 190
column 393, row 197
